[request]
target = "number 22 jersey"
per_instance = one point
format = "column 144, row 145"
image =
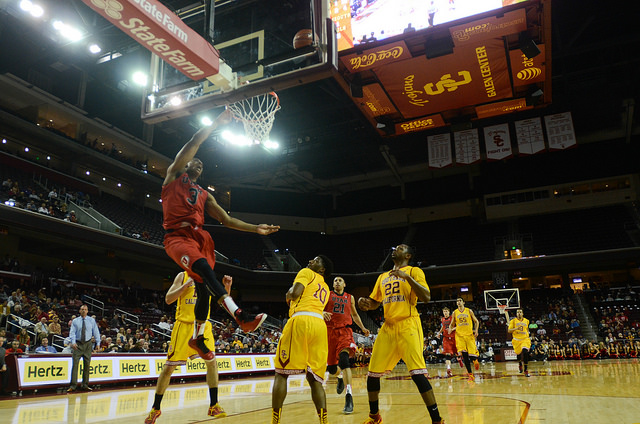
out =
column 398, row 300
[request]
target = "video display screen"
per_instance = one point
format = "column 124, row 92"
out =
column 362, row 21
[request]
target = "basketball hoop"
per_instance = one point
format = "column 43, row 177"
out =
column 502, row 309
column 257, row 115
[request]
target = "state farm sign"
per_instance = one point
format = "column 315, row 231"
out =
column 162, row 32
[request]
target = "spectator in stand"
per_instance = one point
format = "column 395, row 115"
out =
column 45, row 347
column 15, row 348
column 116, row 321
column 4, row 372
column 24, row 339
column 164, row 324
column 5, row 311
column 54, row 327
column 41, row 329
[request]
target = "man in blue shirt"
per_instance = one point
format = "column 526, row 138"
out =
column 45, row 347
column 84, row 337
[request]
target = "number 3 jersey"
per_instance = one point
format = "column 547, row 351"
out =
column 340, row 307
column 183, row 201
column 398, row 300
column 315, row 295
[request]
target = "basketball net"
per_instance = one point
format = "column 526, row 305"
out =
column 502, row 309
column 257, row 115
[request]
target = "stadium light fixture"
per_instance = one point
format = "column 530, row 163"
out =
column 140, row 78
column 95, row 49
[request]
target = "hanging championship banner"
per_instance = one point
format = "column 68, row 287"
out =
column 560, row 131
column 467, row 146
column 439, row 150
column 530, row 136
column 472, row 75
column 497, row 142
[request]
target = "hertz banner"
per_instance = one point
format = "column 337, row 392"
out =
column 470, row 76
column 36, row 371
column 373, row 58
column 160, row 31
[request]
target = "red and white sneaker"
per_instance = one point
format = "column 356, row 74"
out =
column 198, row 345
column 460, row 361
column 476, row 365
column 449, row 372
column 248, row 322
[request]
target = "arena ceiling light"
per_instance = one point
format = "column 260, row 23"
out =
column 206, row 121
column 235, row 139
column 272, row 145
column 140, row 78
column 95, row 49
column 68, row 32
column 34, row 9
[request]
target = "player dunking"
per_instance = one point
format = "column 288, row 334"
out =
column 465, row 324
column 339, row 313
column 303, row 346
column 183, row 204
column 183, row 291
column 400, row 337
column 519, row 329
column 448, row 340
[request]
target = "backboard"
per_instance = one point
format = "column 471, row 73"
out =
column 508, row 297
column 255, row 42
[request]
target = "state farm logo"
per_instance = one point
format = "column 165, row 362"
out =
column 529, row 74
column 111, row 7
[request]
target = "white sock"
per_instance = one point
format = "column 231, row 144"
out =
column 231, row 305
column 448, row 366
column 340, row 375
column 201, row 328
column 348, row 389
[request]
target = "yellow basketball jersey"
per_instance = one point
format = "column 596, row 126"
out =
column 464, row 323
column 522, row 328
column 186, row 303
column 398, row 300
column 315, row 295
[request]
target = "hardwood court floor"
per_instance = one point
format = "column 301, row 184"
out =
column 582, row 392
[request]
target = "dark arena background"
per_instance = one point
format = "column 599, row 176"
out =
column 499, row 139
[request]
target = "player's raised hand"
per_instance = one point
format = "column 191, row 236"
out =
column 265, row 229
column 224, row 118
column 227, row 281
column 398, row 273
column 327, row 316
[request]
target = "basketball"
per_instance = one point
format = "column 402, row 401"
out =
column 303, row 38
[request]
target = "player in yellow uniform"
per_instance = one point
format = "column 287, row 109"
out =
column 466, row 325
column 519, row 329
column 183, row 291
column 303, row 346
column 400, row 337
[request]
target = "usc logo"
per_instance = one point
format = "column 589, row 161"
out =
column 111, row 7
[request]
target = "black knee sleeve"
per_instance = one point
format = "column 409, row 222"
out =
column 525, row 355
column 332, row 369
column 373, row 384
column 422, row 382
column 215, row 287
column 343, row 360
column 202, row 302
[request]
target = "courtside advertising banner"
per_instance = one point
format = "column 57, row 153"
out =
column 490, row 27
column 375, row 101
column 35, row 371
column 530, row 136
column 560, row 131
column 439, row 150
column 467, row 146
column 372, row 58
column 497, row 142
column 163, row 33
column 420, row 124
column 472, row 75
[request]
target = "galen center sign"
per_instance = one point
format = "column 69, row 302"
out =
column 163, row 33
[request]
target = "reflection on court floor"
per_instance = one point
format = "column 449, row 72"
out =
column 558, row 392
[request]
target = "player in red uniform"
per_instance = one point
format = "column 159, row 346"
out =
column 448, row 340
column 339, row 313
column 183, row 204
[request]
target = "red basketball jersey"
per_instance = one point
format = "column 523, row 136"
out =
column 445, row 328
column 340, row 307
column 183, row 201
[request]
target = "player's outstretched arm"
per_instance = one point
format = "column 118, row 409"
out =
column 215, row 210
column 190, row 149
column 356, row 318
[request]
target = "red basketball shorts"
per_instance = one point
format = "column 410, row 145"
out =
column 340, row 339
column 449, row 346
column 186, row 245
